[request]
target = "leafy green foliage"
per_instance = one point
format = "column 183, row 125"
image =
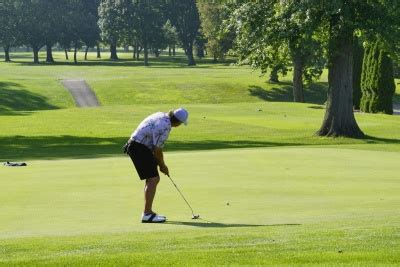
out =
column 147, row 21
column 8, row 26
column 184, row 16
column 219, row 38
column 273, row 35
column 358, row 54
column 378, row 84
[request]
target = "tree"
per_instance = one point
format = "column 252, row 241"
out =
column 184, row 16
column 32, row 23
column 335, row 23
column 275, row 37
column 358, row 53
column 9, row 34
column 74, row 26
column 377, row 83
column 111, row 22
column 171, row 37
column 144, row 27
column 51, row 27
column 219, row 38
column 344, row 18
column 91, row 31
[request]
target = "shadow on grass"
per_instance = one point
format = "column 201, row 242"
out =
column 14, row 98
column 315, row 93
column 16, row 148
column 208, row 224
column 160, row 62
column 379, row 140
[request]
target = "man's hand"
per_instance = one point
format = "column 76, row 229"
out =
column 164, row 169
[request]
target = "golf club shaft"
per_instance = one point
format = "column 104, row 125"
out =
column 181, row 194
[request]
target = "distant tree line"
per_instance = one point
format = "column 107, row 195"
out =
column 146, row 26
column 44, row 23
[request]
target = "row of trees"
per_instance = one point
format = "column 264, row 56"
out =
column 43, row 23
column 159, row 24
column 147, row 26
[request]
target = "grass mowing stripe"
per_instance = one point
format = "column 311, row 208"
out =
column 99, row 132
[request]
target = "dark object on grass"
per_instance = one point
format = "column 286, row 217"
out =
column 15, row 164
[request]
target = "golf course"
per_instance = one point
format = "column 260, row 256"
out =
column 267, row 189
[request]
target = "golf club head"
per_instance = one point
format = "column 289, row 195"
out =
column 195, row 217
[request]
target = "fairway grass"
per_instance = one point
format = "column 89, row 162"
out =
column 101, row 132
column 268, row 190
column 167, row 80
column 286, row 205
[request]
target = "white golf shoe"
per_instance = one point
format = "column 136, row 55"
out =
column 153, row 218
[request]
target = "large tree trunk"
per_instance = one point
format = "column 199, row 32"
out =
column 173, row 50
column 75, row 54
column 35, row 54
column 86, row 51
column 189, row 53
column 113, row 50
column 49, row 52
column 298, row 68
column 98, row 51
column 339, row 117
column 7, row 53
column 135, row 49
column 146, row 54
column 138, row 54
column 273, row 76
column 66, row 54
column 169, row 50
column 215, row 58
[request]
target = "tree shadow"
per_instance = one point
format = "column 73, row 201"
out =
column 15, row 148
column 316, row 93
column 13, row 98
column 283, row 92
column 380, row 140
column 208, row 224
column 154, row 62
column 275, row 94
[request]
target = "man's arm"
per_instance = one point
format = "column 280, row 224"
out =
column 159, row 156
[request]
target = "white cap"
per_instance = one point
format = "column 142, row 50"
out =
column 182, row 115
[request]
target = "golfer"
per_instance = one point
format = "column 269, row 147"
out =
column 145, row 148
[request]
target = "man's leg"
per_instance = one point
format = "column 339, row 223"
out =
column 149, row 193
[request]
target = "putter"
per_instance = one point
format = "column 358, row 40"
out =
column 194, row 217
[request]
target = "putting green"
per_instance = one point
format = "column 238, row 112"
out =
column 286, row 205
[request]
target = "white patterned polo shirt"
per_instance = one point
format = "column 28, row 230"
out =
column 153, row 131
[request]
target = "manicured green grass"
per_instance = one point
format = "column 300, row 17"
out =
column 99, row 132
column 294, row 198
column 286, row 205
column 126, row 82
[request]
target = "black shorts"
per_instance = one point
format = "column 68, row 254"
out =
column 144, row 161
